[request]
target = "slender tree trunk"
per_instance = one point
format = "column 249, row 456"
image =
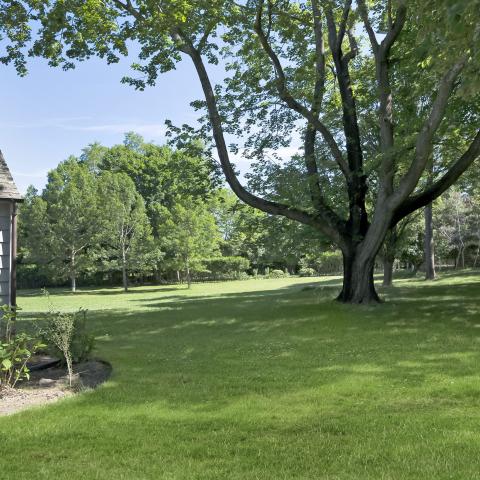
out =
column 73, row 275
column 189, row 279
column 429, row 244
column 389, row 247
column 388, row 263
column 358, row 282
column 476, row 257
column 179, row 279
column 124, row 272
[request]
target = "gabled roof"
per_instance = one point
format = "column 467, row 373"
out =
column 8, row 189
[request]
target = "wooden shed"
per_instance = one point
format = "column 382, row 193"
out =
column 9, row 199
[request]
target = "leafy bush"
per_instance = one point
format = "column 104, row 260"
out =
column 67, row 336
column 325, row 263
column 227, row 265
column 277, row 274
column 307, row 272
column 15, row 350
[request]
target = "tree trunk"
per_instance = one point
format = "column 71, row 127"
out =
column 124, row 272
column 428, row 244
column 388, row 263
column 73, row 275
column 476, row 257
column 189, row 279
column 358, row 283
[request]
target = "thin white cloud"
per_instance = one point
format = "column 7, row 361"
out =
column 154, row 129
column 44, row 122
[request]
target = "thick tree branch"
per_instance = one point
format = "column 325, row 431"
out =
column 424, row 198
column 128, row 7
column 357, row 187
column 343, row 23
column 319, row 59
column 394, row 31
column 318, row 201
column 362, row 7
column 423, row 144
column 285, row 95
column 267, row 206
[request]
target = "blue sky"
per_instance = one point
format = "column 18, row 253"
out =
column 51, row 114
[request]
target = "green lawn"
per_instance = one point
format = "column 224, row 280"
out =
column 265, row 379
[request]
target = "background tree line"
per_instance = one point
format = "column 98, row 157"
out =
column 147, row 213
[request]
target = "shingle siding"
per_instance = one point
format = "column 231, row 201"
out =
column 9, row 194
column 5, row 250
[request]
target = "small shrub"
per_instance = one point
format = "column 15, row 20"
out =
column 58, row 332
column 307, row 272
column 83, row 341
column 67, row 335
column 277, row 274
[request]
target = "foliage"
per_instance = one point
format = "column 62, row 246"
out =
column 63, row 222
column 189, row 234
column 365, row 121
column 325, row 263
column 307, row 272
column 227, row 265
column 457, row 226
column 66, row 333
column 276, row 274
column 16, row 349
column 125, row 232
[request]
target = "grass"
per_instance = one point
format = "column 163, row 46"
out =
column 265, row 379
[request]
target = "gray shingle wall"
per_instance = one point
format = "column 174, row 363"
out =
column 5, row 257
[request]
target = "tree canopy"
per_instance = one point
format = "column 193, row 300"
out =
column 371, row 89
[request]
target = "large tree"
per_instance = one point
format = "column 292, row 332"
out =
column 300, row 66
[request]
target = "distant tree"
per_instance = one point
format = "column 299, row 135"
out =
column 400, row 242
column 189, row 235
column 124, row 232
column 458, row 225
column 68, row 221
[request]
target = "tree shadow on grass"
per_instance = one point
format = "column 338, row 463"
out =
column 209, row 352
column 275, row 371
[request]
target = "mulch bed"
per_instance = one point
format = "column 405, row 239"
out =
column 49, row 382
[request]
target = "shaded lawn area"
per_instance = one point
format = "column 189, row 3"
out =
column 265, row 379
